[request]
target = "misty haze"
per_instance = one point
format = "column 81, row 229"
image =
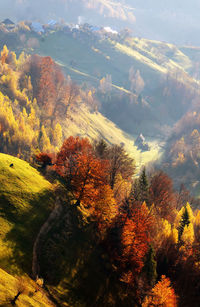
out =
column 100, row 153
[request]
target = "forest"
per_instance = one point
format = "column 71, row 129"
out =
column 35, row 96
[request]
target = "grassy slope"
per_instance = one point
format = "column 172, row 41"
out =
column 88, row 59
column 95, row 57
column 31, row 296
column 25, row 197
column 95, row 125
column 24, row 206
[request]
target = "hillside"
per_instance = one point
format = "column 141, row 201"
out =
column 120, row 87
column 24, row 203
column 37, row 122
column 31, row 296
column 163, row 69
column 135, row 80
column 25, row 198
column 95, row 126
column 181, row 159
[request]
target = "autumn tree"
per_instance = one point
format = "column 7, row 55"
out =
column 136, row 82
column 183, row 197
column 4, row 54
column 128, row 243
column 71, row 94
column 105, row 84
column 120, row 163
column 84, row 174
column 135, row 191
column 44, row 140
column 162, row 195
column 46, row 78
column 161, row 295
column 185, row 221
column 44, row 158
column 57, row 135
column 121, row 189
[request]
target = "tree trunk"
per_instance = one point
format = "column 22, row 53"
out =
column 15, row 298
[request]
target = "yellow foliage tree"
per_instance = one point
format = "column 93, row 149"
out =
column 57, row 136
column 4, row 54
column 180, row 213
column 174, row 236
column 188, row 234
column 121, row 189
column 45, row 143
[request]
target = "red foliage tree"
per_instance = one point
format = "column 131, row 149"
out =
column 83, row 172
column 49, row 84
column 44, row 158
column 128, row 241
column 135, row 240
column 162, row 195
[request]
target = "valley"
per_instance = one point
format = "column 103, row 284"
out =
column 99, row 166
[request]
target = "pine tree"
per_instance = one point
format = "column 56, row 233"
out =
column 185, row 221
column 150, row 267
column 144, row 187
column 135, row 193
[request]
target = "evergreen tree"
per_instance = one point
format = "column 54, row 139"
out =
column 135, row 193
column 185, row 221
column 100, row 148
column 143, row 187
column 150, row 267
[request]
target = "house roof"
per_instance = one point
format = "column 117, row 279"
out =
column 8, row 22
column 52, row 22
column 37, row 27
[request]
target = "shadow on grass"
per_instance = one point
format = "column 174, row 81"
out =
column 77, row 268
column 26, row 225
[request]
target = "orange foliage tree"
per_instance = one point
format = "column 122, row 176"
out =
column 128, row 243
column 135, row 240
column 50, row 87
column 84, row 174
column 161, row 295
column 47, row 80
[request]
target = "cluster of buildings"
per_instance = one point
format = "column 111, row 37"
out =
column 38, row 27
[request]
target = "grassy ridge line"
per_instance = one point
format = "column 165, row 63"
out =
column 25, row 198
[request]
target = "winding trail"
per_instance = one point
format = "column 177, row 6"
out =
column 55, row 214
